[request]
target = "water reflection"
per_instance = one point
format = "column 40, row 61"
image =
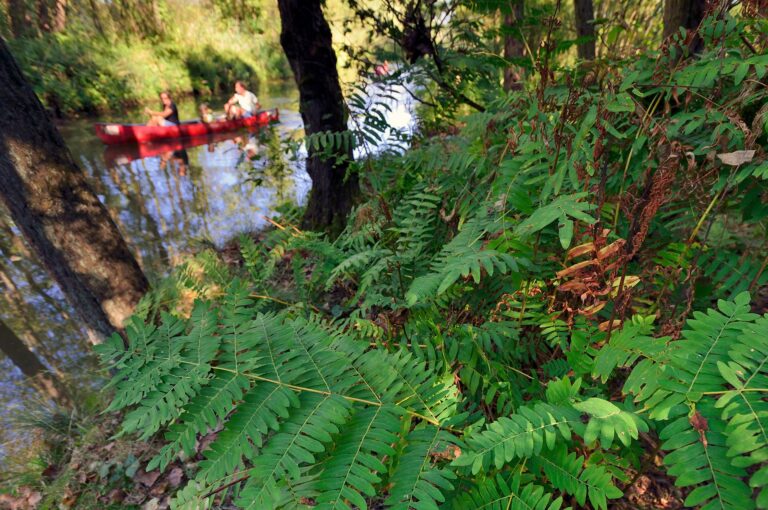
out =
column 166, row 198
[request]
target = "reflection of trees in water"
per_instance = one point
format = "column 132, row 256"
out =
column 44, row 350
column 34, row 308
column 160, row 210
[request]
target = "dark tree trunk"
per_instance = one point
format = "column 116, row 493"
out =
column 30, row 365
column 54, row 21
column 19, row 17
column 57, row 212
column 513, row 44
column 687, row 14
column 306, row 40
column 585, row 28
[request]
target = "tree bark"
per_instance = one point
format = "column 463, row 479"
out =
column 55, row 23
column 585, row 28
column 57, row 212
column 513, row 44
column 306, row 40
column 687, row 14
column 30, row 365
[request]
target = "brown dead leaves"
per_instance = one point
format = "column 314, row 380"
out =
column 24, row 499
column 655, row 193
column 700, row 424
column 586, row 285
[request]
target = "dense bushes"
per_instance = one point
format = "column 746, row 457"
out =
column 83, row 70
column 70, row 74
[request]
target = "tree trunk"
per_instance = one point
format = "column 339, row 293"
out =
column 19, row 17
column 585, row 28
column 513, row 44
column 30, row 365
column 55, row 23
column 57, row 212
column 306, row 40
column 687, row 14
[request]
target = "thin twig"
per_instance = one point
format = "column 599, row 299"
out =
column 226, row 486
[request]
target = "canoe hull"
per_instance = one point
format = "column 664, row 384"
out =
column 126, row 133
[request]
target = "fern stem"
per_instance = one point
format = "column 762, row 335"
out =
column 759, row 274
column 743, row 390
column 433, row 421
column 650, row 111
column 706, row 213
column 286, row 303
column 226, row 486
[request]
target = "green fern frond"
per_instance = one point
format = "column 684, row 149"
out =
column 699, row 458
column 351, row 471
column 211, row 405
column 262, row 408
column 692, row 361
column 744, row 408
column 500, row 494
column 533, row 429
column 626, row 346
column 419, row 483
column 522, row 435
column 721, row 351
column 464, row 256
column 567, row 472
column 295, row 446
column 730, row 273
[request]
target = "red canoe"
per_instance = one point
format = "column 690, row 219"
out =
column 126, row 133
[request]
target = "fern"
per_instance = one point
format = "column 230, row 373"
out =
column 744, row 407
column 286, row 388
column 501, row 494
column 731, row 274
column 532, row 430
column 418, row 483
column 567, row 472
column 429, row 357
column 703, row 446
column 463, row 256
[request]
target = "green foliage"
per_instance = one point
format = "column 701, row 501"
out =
column 125, row 63
column 688, row 383
column 502, row 323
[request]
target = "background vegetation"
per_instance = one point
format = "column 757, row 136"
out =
column 111, row 55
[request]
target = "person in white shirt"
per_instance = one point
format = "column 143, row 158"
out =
column 243, row 104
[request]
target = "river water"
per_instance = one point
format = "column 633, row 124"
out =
column 168, row 201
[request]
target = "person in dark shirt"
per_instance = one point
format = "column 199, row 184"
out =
column 169, row 116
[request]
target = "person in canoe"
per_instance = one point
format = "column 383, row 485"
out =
column 169, row 116
column 243, row 104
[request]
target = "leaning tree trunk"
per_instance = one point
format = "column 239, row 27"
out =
column 306, row 40
column 513, row 44
column 585, row 28
column 687, row 14
column 57, row 212
column 30, row 365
